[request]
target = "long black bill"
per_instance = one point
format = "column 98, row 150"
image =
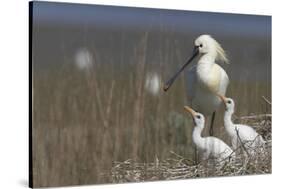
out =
column 169, row 83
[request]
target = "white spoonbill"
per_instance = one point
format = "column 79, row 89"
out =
column 210, row 146
column 205, row 78
column 247, row 135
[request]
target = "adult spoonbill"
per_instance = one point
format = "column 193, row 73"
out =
column 205, row 78
column 210, row 146
column 238, row 132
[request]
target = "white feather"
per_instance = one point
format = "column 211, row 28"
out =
column 209, row 146
column 239, row 132
column 206, row 77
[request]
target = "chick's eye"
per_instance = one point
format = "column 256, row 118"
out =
column 198, row 116
column 228, row 102
column 200, row 45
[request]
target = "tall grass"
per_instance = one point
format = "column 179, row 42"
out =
column 83, row 122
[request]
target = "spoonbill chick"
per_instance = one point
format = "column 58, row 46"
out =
column 205, row 78
column 238, row 132
column 210, row 146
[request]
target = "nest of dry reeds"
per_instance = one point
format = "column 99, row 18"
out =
column 178, row 167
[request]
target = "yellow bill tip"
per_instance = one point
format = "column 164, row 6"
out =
column 189, row 110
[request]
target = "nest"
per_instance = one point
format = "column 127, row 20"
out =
column 178, row 167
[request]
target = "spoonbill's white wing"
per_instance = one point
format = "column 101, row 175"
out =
column 203, row 85
column 224, row 81
column 213, row 78
column 248, row 134
column 217, row 148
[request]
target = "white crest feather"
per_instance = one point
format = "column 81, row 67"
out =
column 221, row 53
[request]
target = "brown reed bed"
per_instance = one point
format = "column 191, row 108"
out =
column 84, row 121
column 179, row 167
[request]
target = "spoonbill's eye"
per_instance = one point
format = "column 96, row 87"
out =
column 228, row 102
column 198, row 117
column 200, row 45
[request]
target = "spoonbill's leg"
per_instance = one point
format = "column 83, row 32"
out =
column 211, row 131
column 196, row 157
